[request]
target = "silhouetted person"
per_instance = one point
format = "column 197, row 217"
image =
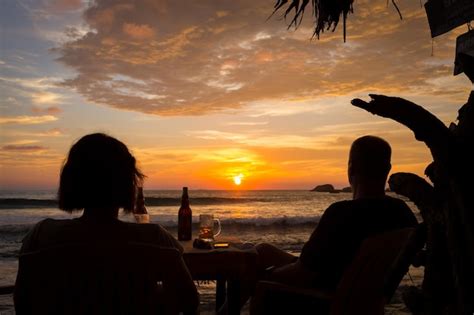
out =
column 100, row 176
column 345, row 224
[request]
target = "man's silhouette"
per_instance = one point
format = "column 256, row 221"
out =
column 345, row 224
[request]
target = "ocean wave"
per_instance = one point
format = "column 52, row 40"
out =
column 15, row 229
column 283, row 221
column 155, row 201
column 288, row 233
column 23, row 203
column 244, row 224
column 272, row 222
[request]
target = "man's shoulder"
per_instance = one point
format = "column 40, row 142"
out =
column 376, row 202
column 339, row 207
column 341, row 204
column 397, row 203
column 366, row 205
column 393, row 199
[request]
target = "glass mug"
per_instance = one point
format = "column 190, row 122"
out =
column 206, row 227
column 142, row 217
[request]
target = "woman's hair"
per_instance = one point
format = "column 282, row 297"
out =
column 99, row 172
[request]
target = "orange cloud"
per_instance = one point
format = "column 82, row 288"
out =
column 45, row 98
column 52, row 110
column 29, row 148
column 189, row 69
column 27, row 120
column 138, row 31
column 264, row 56
column 222, row 13
column 65, row 5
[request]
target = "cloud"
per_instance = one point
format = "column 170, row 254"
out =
column 41, row 91
column 247, row 123
column 222, row 57
column 290, row 106
column 55, row 132
column 138, row 31
column 27, row 120
column 15, row 133
column 45, row 98
column 22, row 148
column 41, row 83
column 65, row 5
column 22, row 161
column 52, row 110
column 22, row 142
column 264, row 138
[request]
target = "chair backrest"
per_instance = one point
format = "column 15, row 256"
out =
column 371, row 279
column 102, row 278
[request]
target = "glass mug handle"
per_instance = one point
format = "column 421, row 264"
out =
column 218, row 227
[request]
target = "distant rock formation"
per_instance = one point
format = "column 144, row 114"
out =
column 347, row 189
column 330, row 189
column 324, row 188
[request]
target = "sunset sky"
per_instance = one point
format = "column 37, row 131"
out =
column 205, row 91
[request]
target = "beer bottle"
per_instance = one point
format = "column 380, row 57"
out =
column 184, row 218
column 140, row 212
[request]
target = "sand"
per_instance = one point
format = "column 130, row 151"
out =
column 207, row 292
column 414, row 277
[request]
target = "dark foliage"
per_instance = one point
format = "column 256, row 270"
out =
column 327, row 13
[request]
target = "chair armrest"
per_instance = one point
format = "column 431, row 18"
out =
column 7, row 289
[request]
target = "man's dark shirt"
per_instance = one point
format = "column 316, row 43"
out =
column 341, row 230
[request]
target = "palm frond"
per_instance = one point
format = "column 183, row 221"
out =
column 327, row 13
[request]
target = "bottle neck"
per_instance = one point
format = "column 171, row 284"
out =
column 140, row 202
column 185, row 200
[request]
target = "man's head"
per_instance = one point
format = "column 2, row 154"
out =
column 369, row 160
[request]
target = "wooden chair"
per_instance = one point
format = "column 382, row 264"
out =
column 366, row 286
column 104, row 278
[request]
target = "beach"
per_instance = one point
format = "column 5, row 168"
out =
column 282, row 218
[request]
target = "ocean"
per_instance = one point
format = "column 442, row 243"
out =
column 283, row 218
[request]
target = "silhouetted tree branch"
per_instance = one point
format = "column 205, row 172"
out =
column 426, row 126
column 414, row 188
column 450, row 219
column 447, row 207
column 438, row 285
column 327, row 13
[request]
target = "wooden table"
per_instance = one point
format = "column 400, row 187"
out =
column 228, row 266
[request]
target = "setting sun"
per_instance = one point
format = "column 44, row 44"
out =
column 238, row 179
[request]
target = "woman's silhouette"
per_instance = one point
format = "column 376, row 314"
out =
column 100, row 177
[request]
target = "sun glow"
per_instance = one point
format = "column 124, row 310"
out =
column 238, row 179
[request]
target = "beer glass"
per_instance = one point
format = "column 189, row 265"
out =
column 206, row 227
column 142, row 217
